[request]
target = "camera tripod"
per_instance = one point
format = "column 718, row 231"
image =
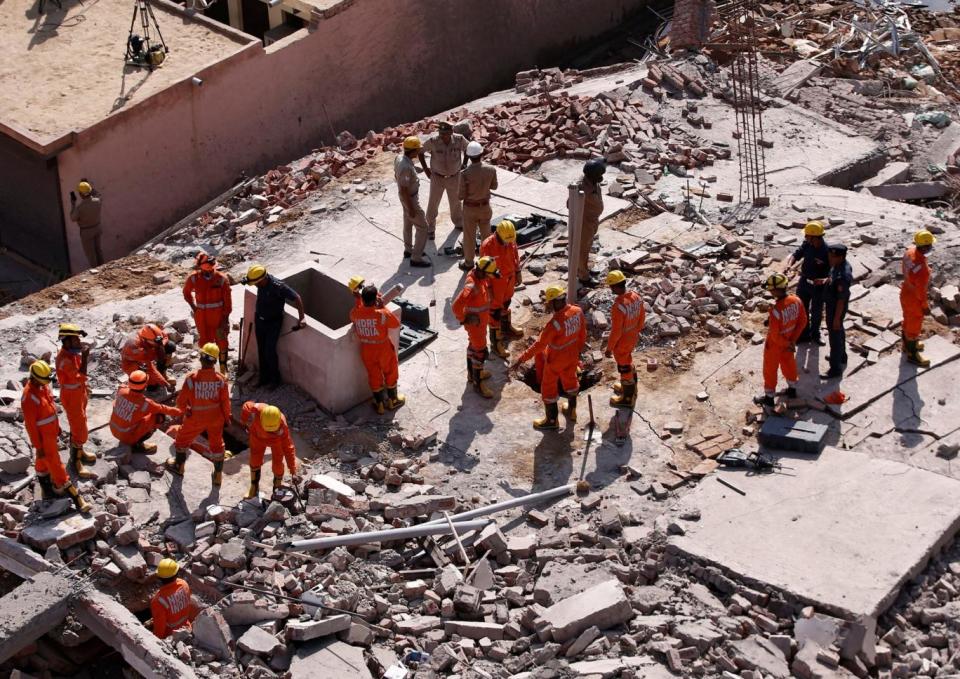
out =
column 142, row 49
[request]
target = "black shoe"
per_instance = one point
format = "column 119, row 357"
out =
column 764, row 401
column 819, row 341
column 830, row 375
column 421, row 264
column 588, row 283
column 406, row 254
column 790, row 392
column 431, row 236
column 463, row 266
column 458, row 228
column 804, row 339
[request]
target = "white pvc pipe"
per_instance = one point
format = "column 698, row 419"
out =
column 384, row 535
column 533, row 498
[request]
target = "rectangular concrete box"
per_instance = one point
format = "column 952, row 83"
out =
column 323, row 359
column 782, row 433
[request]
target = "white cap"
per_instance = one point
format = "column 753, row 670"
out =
column 474, row 149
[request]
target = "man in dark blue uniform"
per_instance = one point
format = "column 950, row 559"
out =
column 272, row 296
column 837, row 295
column 814, row 275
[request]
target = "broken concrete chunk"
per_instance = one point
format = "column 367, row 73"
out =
column 211, row 632
column 258, row 641
column 64, row 532
column 299, row 630
column 604, row 605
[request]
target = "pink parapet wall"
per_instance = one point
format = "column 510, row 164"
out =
column 323, row 359
column 374, row 63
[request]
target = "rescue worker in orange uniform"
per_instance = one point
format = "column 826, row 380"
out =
column 148, row 350
column 71, row 365
column 172, row 606
column 372, row 325
column 207, row 291
column 786, row 323
column 356, row 287
column 502, row 247
column 913, row 295
column 627, row 316
column 560, row 342
column 472, row 308
column 43, row 427
column 205, row 403
column 268, row 428
column 135, row 417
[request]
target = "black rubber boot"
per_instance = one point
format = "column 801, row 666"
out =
column 254, row 489
column 176, row 464
column 550, row 419
column 217, row 477
column 46, row 487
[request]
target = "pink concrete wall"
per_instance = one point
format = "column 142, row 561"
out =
column 377, row 63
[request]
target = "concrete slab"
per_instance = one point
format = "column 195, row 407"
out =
column 329, row 659
column 843, row 532
column 867, row 385
column 542, row 196
column 63, row 531
column 881, row 306
column 31, row 610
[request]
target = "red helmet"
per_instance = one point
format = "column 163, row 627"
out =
column 152, row 333
column 205, row 261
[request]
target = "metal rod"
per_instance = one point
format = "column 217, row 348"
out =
column 418, row 531
column 533, row 498
column 463, row 552
column 730, row 486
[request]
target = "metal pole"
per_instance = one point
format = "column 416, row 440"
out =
column 383, row 535
column 533, row 498
column 574, row 227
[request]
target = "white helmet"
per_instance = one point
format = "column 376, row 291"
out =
column 474, row 149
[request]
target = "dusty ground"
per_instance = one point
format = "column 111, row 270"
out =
column 64, row 70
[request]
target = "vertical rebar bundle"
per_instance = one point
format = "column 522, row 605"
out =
column 744, row 72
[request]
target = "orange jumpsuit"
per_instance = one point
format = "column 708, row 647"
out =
column 73, row 393
column 627, row 317
column 279, row 441
column 787, row 320
column 508, row 263
column 172, row 608
column 913, row 292
column 372, row 326
column 140, row 355
column 134, row 415
column 475, row 298
column 40, row 418
column 205, row 402
column 212, row 304
column 560, row 342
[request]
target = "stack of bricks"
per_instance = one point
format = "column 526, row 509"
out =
column 691, row 22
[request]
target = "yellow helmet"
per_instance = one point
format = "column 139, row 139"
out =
column 84, row 188
column 354, row 283
column 813, row 229
column 41, row 372
column 487, row 265
column 70, row 330
column 507, row 231
column 924, row 237
column 554, row 291
column 270, row 418
column 167, row 568
column 210, row 350
column 412, row 143
column 615, row 277
column 138, row 380
column 255, row 273
column 776, row 281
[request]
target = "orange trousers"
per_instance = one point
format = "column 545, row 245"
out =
column 144, row 428
column 380, row 360
column 912, row 317
column 624, row 361
column 74, row 403
column 557, row 373
column 277, row 458
column 209, row 328
column 477, row 336
column 778, row 357
column 48, row 456
column 503, row 289
column 194, row 425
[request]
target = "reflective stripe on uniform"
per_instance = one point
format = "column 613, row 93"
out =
column 122, row 430
column 476, row 309
column 558, row 347
column 70, row 386
column 372, row 341
column 207, row 406
column 210, row 305
column 47, row 420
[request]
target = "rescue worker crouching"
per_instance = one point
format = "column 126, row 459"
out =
column 172, row 606
column 268, row 428
column 148, row 350
column 135, row 417
column 372, row 325
column 472, row 308
column 205, row 403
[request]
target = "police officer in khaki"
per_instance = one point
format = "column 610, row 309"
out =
column 476, row 183
column 446, row 149
column 592, row 209
column 86, row 213
column 408, row 186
